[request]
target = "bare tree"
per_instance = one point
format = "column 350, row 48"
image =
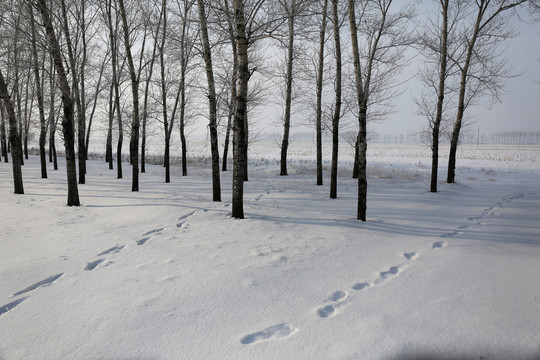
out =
column 39, row 90
column 211, row 102
column 232, row 81
column 481, row 38
column 293, row 10
column 67, row 121
column 337, row 107
column 76, row 88
column 435, row 45
column 240, row 111
column 320, row 74
column 135, row 123
column 386, row 38
column 15, row 140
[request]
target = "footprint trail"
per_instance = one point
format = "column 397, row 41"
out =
column 338, row 302
column 114, row 249
column 93, row 264
column 44, row 282
column 280, row 331
column 7, row 307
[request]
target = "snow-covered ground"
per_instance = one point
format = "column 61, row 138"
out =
column 165, row 273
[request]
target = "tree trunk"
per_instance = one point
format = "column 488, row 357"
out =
column 113, row 35
column 320, row 74
column 3, row 138
column 288, row 93
column 356, row 170
column 440, row 99
column 134, row 138
column 233, row 79
column 239, row 136
column 52, row 119
column 28, row 105
column 166, row 160
column 17, row 88
column 39, row 90
column 67, row 121
column 212, row 104
column 16, row 155
column 361, row 139
column 77, row 98
column 108, row 146
column 337, row 109
column 454, row 141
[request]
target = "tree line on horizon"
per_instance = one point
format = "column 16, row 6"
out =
column 146, row 67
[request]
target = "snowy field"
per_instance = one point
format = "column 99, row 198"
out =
column 165, row 273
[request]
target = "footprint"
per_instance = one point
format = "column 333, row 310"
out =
column 44, row 282
column 361, row 286
column 114, row 249
column 452, row 234
column 92, row 265
column 155, row 231
column 463, row 227
column 338, row 295
column 280, row 331
column 390, row 272
column 331, row 309
column 438, row 244
column 410, row 255
column 5, row 308
column 143, row 241
column 180, row 222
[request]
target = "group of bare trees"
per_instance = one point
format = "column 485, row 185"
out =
column 117, row 66
column 465, row 63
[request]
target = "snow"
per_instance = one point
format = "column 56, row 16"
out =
column 165, row 273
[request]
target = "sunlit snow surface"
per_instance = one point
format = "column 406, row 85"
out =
column 165, row 273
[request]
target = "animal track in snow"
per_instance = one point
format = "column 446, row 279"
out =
column 438, row 244
column 410, row 255
column 143, row 241
column 329, row 310
column 92, row 265
column 114, row 249
column 452, row 234
column 9, row 306
column 280, row 331
column 44, row 282
column 180, row 221
column 394, row 270
column 155, row 231
column 361, row 286
column 338, row 295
